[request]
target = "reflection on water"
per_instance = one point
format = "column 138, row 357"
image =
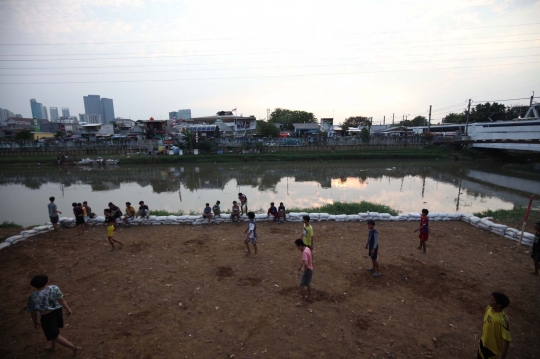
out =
column 407, row 186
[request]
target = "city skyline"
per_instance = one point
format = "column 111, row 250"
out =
column 335, row 59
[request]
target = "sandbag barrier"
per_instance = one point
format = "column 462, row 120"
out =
column 483, row 223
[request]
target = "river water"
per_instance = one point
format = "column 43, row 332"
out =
column 404, row 185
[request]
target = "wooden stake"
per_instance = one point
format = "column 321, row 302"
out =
column 525, row 222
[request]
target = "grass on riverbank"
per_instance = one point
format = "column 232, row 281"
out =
column 510, row 215
column 7, row 224
column 331, row 208
column 367, row 154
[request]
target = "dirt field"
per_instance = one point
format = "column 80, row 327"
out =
column 127, row 304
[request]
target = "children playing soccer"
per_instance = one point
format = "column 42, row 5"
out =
column 424, row 230
column 110, row 219
column 307, row 234
column 307, row 267
column 251, row 234
column 372, row 246
column 495, row 339
column 48, row 302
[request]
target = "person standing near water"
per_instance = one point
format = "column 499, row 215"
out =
column 307, row 234
column 48, row 302
column 306, row 267
column 424, row 230
column 372, row 246
column 251, row 234
column 53, row 213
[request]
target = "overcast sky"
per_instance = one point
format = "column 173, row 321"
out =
column 333, row 58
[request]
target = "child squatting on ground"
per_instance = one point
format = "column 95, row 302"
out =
column 251, row 234
column 496, row 338
column 48, row 302
column 307, row 267
column 372, row 246
column 424, row 230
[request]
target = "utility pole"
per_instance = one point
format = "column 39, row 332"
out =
column 384, row 119
column 468, row 112
column 429, row 120
column 392, row 119
column 531, row 99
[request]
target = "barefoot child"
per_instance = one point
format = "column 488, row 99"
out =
column 110, row 219
column 235, row 212
column 207, row 212
column 307, row 267
column 424, row 230
column 281, row 212
column 373, row 246
column 48, row 302
column 217, row 209
column 251, row 234
column 307, row 234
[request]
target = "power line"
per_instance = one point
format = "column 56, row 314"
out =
column 511, row 99
column 251, row 62
column 168, row 52
column 263, row 76
column 262, row 37
column 237, row 54
column 249, row 68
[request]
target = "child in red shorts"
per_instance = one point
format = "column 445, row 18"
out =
column 424, row 230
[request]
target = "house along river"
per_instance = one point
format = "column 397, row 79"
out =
column 405, row 185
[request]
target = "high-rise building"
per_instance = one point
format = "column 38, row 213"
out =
column 38, row 110
column 90, row 118
column 54, row 114
column 65, row 112
column 107, row 110
column 92, row 105
column 4, row 115
column 180, row 114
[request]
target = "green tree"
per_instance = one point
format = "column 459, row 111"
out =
column 455, row 118
column 206, row 145
column 190, row 138
column 344, row 127
column 59, row 134
column 288, row 117
column 267, row 129
column 486, row 112
column 515, row 111
column 355, row 121
column 23, row 135
column 364, row 135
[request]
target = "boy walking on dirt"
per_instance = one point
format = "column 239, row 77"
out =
column 110, row 219
column 307, row 234
column 251, row 234
column 496, row 338
column 424, row 230
column 48, row 302
column 307, row 267
column 535, row 253
column 373, row 248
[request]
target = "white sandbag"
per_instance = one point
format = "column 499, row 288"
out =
column 385, row 215
column 363, row 214
column 353, row 218
column 172, row 218
column 156, row 223
column 483, row 226
column 403, row 216
column 193, row 218
column 13, row 238
column 40, row 228
column 301, row 214
column 182, row 218
column 474, row 219
column 332, row 217
column 313, row 216
column 498, row 226
column 373, row 214
column 433, row 214
column 341, row 216
column 497, row 231
column 293, row 214
column 527, row 235
column 323, row 215
column 384, row 218
column 152, row 218
column 512, row 238
column 4, row 245
column 28, row 233
column 414, row 214
column 394, row 218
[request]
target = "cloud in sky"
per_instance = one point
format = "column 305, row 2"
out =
column 332, row 58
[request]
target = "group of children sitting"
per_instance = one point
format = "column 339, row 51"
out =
column 279, row 213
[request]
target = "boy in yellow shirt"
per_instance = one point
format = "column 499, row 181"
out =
column 307, row 234
column 496, row 338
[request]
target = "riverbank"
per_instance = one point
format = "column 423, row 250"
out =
column 428, row 153
column 190, row 289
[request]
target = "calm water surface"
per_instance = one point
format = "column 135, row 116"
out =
column 405, row 185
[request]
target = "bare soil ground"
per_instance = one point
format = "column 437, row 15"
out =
column 189, row 292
